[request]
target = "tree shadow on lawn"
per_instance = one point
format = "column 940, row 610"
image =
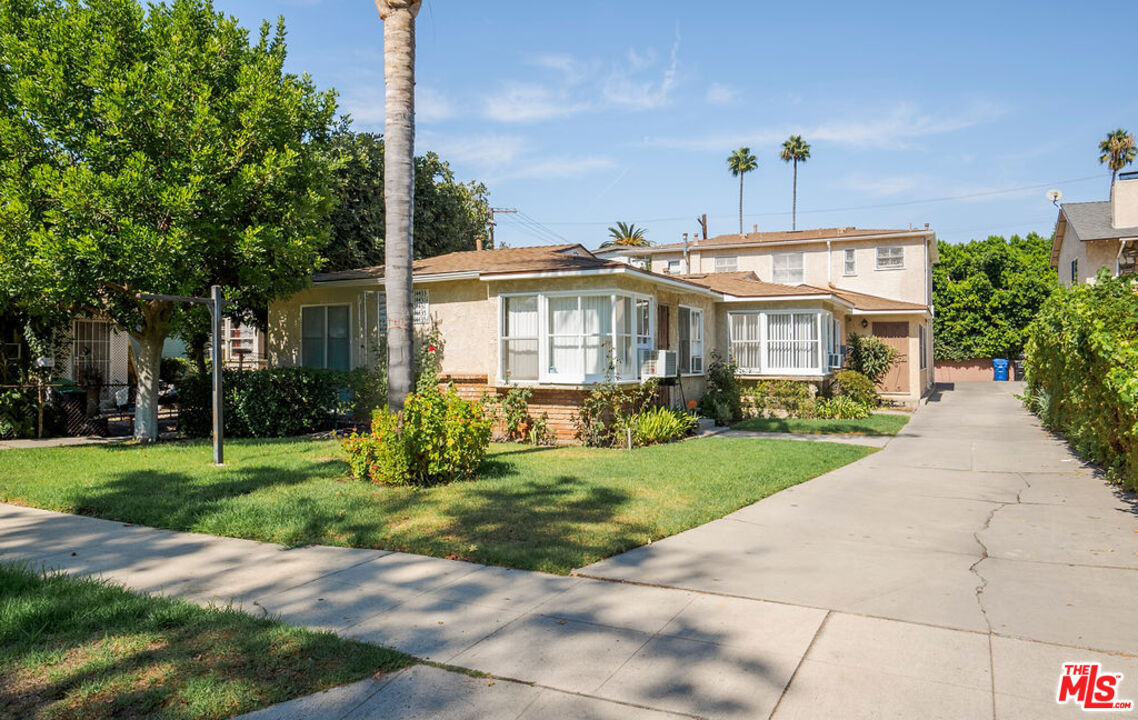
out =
column 168, row 657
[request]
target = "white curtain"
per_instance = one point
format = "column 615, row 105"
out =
column 746, row 348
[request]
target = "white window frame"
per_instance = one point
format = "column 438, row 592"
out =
column 98, row 335
column 849, row 262
column 801, row 269
column 726, row 263
column 696, row 344
column 828, row 342
column 545, row 377
column 247, row 337
column 676, row 270
column 324, row 366
column 923, row 346
column 503, row 338
column 420, row 309
column 891, row 249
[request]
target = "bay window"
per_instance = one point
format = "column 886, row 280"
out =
column 789, row 268
column 784, row 342
column 573, row 338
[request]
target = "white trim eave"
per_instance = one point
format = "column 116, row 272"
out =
column 787, row 298
column 415, row 280
column 775, row 243
column 923, row 311
column 651, row 277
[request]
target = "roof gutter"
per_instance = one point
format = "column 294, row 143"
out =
column 415, row 279
column 777, row 243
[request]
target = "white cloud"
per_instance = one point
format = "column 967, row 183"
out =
column 626, row 87
column 559, row 167
column 486, row 152
column 528, row 103
column 892, row 129
column 432, row 106
column 720, row 94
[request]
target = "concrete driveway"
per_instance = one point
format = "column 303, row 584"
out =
column 950, row 575
column 960, row 566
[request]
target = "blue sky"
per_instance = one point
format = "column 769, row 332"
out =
column 580, row 114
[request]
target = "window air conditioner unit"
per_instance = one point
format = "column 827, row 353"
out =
column 657, row 363
column 834, row 360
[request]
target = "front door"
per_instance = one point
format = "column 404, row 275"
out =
column 896, row 336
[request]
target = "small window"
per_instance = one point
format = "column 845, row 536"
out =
column 1075, row 270
column 324, row 332
column 789, row 268
column 673, row 267
column 691, row 341
column 850, row 267
column 891, row 257
column 726, row 263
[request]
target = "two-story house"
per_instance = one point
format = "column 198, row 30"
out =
column 774, row 283
column 1090, row 236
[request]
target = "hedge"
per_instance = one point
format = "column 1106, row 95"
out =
column 278, row 402
column 1082, row 372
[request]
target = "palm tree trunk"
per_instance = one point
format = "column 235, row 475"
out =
column 399, row 186
column 741, row 203
column 794, row 200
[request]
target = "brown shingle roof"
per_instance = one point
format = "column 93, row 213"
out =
column 862, row 301
column 785, row 236
column 747, row 284
column 544, row 258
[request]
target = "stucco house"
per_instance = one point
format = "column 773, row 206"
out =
column 1090, row 236
column 555, row 318
column 877, row 281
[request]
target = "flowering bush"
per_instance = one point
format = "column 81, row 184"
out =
column 437, row 439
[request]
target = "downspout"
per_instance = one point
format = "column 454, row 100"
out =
column 687, row 262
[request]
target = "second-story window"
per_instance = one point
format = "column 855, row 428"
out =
column 850, row 266
column 1075, row 271
column 890, row 257
column 673, row 267
column 789, row 268
column 726, row 263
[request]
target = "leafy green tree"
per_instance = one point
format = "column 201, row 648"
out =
column 740, row 163
column 987, row 292
column 626, row 234
column 154, row 150
column 795, row 150
column 1117, row 151
column 449, row 215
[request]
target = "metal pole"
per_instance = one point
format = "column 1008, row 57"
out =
column 216, row 303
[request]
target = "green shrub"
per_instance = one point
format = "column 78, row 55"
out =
column 721, row 401
column 438, row 438
column 870, row 356
column 660, row 425
column 19, row 408
column 1082, row 351
column 540, row 433
column 855, row 386
column 788, row 398
column 515, row 412
column 603, row 415
column 841, row 407
column 278, row 402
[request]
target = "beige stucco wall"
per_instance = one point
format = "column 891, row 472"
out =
column 920, row 381
column 823, row 266
column 466, row 314
column 1092, row 255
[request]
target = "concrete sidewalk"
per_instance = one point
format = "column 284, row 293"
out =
column 947, row 576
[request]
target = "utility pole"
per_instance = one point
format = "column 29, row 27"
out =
column 702, row 220
column 496, row 211
column 216, row 304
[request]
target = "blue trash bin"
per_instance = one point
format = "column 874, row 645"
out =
column 1000, row 369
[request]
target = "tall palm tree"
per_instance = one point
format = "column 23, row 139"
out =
column 626, row 234
column 795, row 150
column 1117, row 151
column 740, row 163
column 398, row 18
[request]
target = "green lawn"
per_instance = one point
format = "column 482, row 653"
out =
column 551, row 509
column 77, row 648
column 875, row 424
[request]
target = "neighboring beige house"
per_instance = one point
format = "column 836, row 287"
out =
column 1090, row 236
column 878, row 281
column 556, row 318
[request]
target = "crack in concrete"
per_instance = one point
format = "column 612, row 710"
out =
column 974, row 568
